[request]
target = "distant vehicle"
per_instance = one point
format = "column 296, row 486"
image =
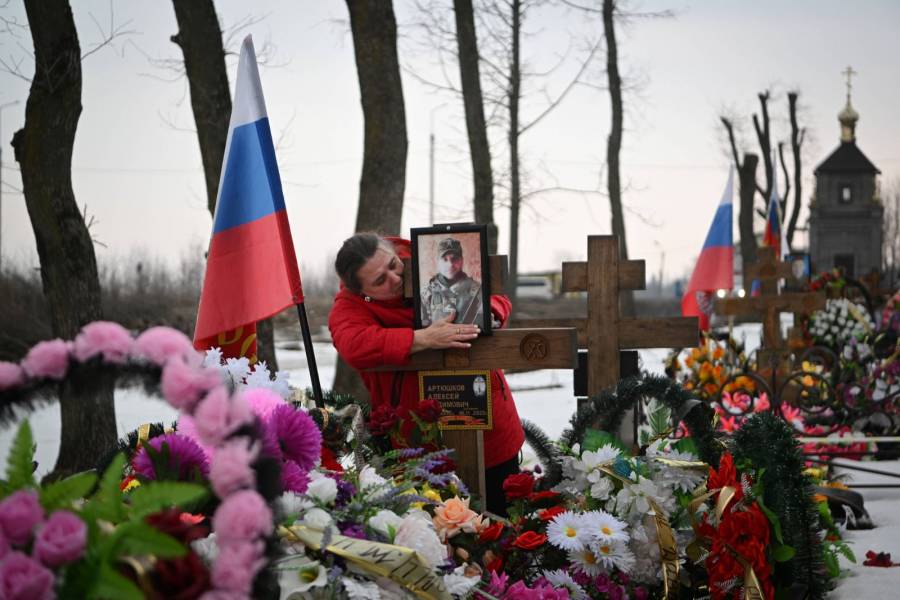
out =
column 534, row 287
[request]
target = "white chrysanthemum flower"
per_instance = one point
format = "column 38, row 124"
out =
column 238, row 368
column 586, row 561
column 458, row 585
column 603, row 456
column 316, row 518
column 614, row 555
column 632, row 499
column 385, row 520
column 291, row 504
column 369, row 478
column 360, row 590
column 601, row 489
column 561, row 579
column 417, row 532
column 322, row 488
column 604, row 527
column 568, row 531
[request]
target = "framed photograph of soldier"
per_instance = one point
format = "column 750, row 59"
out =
column 465, row 397
column 451, row 275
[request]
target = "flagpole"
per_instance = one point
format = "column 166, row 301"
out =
column 310, row 356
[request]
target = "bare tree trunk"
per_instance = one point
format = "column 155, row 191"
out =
column 200, row 40
column 43, row 149
column 515, row 191
column 383, row 178
column 614, row 143
column 479, row 149
column 747, row 190
column 763, row 134
column 782, row 202
column 797, row 135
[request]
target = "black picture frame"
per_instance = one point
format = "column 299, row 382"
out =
column 426, row 243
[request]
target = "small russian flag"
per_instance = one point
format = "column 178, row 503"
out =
column 715, row 266
column 251, row 268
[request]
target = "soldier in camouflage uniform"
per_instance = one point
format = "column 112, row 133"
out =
column 451, row 289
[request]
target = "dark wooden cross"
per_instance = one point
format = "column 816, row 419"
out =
column 770, row 304
column 527, row 349
column 605, row 332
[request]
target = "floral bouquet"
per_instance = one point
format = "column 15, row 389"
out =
column 841, row 321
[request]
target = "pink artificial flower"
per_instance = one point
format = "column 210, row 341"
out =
column 728, row 424
column 242, row 516
column 762, row 403
column 22, row 578
column 11, row 375
column 4, row 545
column 232, row 467
column 293, row 478
column 47, row 359
column 105, row 338
column 262, row 401
column 158, row 344
column 218, row 415
column 237, row 565
column 20, row 513
column 498, row 584
column 298, row 435
column 183, row 384
column 188, row 428
column 61, row 539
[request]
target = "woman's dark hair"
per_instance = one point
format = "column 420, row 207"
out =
column 353, row 254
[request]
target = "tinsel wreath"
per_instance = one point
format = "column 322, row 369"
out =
column 36, row 393
column 606, row 410
column 547, row 452
column 768, row 443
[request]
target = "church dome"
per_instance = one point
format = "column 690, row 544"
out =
column 848, row 118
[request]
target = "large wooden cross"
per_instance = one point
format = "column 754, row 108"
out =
column 530, row 348
column 770, row 304
column 605, row 332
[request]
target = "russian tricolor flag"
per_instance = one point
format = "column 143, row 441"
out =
column 715, row 267
column 251, row 268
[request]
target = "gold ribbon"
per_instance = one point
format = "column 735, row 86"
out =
column 668, row 551
column 143, row 433
column 400, row 564
column 682, row 464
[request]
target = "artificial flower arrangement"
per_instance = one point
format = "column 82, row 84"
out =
column 841, row 321
column 706, row 368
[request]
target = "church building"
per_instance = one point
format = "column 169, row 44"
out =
column 846, row 214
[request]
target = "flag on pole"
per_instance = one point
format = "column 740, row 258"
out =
column 715, row 266
column 251, row 267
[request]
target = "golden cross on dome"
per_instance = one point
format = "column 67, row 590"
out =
column 849, row 72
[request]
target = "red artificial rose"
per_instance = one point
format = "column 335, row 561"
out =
column 329, row 460
column 544, row 498
column 184, row 578
column 726, row 475
column 878, row 559
column 530, row 541
column 519, row 485
column 548, row 514
column 491, row 534
column 429, row 410
column 495, row 565
column 382, row 420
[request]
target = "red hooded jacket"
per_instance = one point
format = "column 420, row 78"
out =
column 377, row 333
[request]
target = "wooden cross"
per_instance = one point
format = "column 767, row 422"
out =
column 604, row 332
column 531, row 348
column 769, row 303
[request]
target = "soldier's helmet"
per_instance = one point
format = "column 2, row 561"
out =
column 448, row 245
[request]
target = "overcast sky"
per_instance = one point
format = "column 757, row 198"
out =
column 137, row 162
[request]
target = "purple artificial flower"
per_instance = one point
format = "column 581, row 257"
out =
column 262, row 401
column 48, row 359
column 158, row 344
column 298, row 435
column 20, row 513
column 498, row 584
column 242, row 516
column 641, row 593
column 22, row 578
column 269, row 439
column 294, row 479
column 105, row 338
column 354, row 530
column 345, row 491
column 61, row 540
column 185, row 456
column 11, row 375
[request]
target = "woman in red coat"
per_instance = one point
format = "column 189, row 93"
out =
column 372, row 326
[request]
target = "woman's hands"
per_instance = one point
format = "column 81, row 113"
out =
column 444, row 334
